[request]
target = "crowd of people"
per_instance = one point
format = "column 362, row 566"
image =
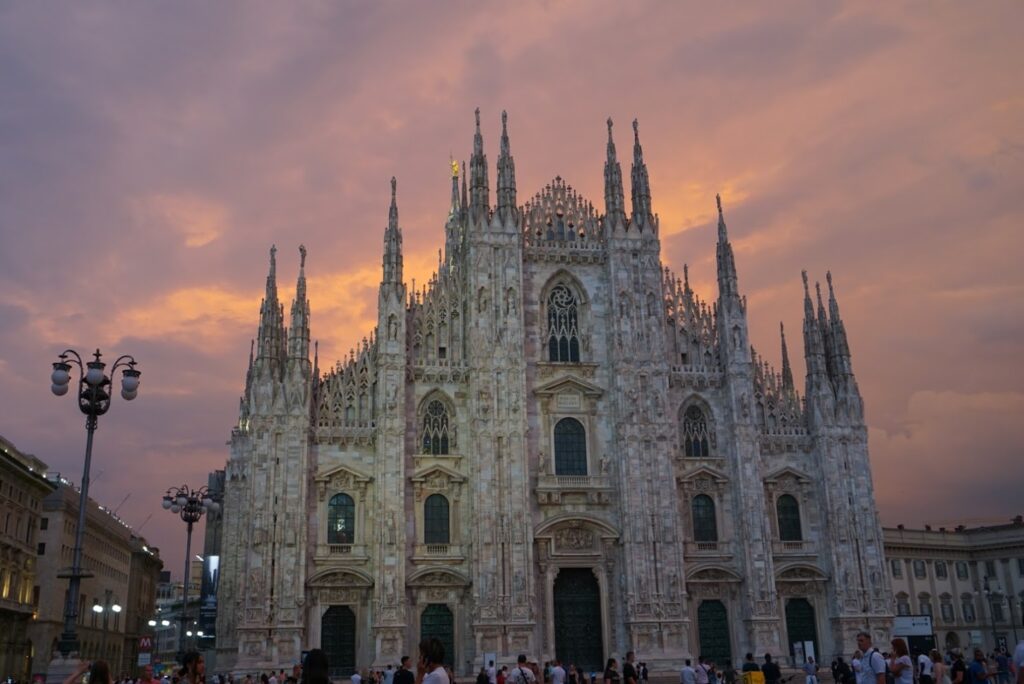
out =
column 868, row 665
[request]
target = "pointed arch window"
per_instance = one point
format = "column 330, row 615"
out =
column 436, row 520
column 570, row 447
column 705, row 527
column 696, row 435
column 435, row 428
column 563, row 325
column 788, row 511
column 341, row 519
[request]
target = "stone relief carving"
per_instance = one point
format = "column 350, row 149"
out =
column 574, row 538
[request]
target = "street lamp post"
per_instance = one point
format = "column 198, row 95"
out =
column 106, row 609
column 190, row 504
column 94, row 395
column 992, row 595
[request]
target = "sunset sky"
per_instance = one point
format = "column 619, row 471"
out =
column 150, row 154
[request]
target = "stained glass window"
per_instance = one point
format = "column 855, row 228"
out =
column 696, row 437
column 341, row 519
column 705, row 528
column 563, row 326
column 435, row 429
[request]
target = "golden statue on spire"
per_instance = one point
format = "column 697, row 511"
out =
column 455, row 167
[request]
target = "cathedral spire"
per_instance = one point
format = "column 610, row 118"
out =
column 614, row 202
column 506, row 178
column 826, row 335
column 270, row 338
column 641, row 196
column 478, row 189
column 393, row 242
column 787, row 371
column 298, row 334
column 840, row 344
column 727, row 280
column 814, row 350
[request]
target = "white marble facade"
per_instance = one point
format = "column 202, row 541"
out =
column 615, row 459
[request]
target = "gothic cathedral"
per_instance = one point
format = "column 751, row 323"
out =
column 554, row 447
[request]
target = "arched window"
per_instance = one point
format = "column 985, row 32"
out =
column 563, row 325
column 341, row 519
column 696, row 436
column 705, row 528
column 570, row 447
column 436, row 529
column 788, row 511
column 435, row 428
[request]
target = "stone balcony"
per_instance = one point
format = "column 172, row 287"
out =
column 561, row 489
column 793, row 548
column 715, row 549
column 446, row 553
column 355, row 553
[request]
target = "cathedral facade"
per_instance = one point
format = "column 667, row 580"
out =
column 554, row 447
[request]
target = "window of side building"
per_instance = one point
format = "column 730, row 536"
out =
column 919, row 569
column 897, row 567
column 962, row 571
column 940, row 570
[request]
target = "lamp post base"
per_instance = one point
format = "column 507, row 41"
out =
column 60, row 667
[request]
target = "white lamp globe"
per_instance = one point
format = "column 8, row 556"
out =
column 175, row 508
column 182, row 500
column 60, row 374
column 167, row 503
column 97, row 608
column 59, row 390
column 95, row 374
column 116, row 608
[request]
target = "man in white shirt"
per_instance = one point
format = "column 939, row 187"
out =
column 273, row 678
column 356, row 678
column 924, row 668
column 557, row 673
column 521, row 673
column 872, row 664
column 688, row 675
column 492, row 673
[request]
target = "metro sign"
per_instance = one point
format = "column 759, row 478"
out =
column 145, row 643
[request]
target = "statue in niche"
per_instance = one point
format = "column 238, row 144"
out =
column 390, row 530
column 605, row 465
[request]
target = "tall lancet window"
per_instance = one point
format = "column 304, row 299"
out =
column 341, row 519
column 696, row 436
column 435, row 428
column 563, row 325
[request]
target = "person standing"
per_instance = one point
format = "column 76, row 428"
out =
column 687, row 675
column 557, row 672
column 629, row 675
column 356, row 678
column 611, row 672
column 522, row 673
column 977, row 672
column 958, row 670
column 770, row 670
column 749, row 665
column 1003, row 666
column 872, row 664
column 492, row 673
column 900, row 665
column 925, row 669
column 404, row 674
column 430, row 668
column 939, row 670
column 389, row 675
column 810, row 669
